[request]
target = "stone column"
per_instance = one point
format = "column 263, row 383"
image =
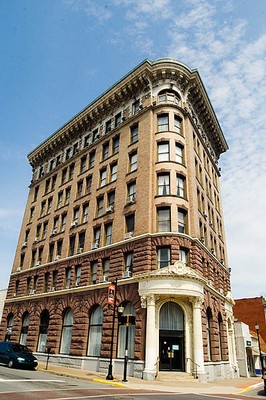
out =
column 197, row 339
column 149, row 372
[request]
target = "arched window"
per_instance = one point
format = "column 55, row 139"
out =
column 95, row 332
column 171, row 317
column 44, row 323
column 24, row 328
column 208, row 332
column 128, row 309
column 9, row 327
column 66, row 332
column 168, row 96
column 220, row 329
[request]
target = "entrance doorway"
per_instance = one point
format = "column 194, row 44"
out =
column 171, row 338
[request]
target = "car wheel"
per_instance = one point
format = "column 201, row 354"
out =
column 10, row 363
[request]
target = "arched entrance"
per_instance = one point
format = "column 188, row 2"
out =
column 171, row 338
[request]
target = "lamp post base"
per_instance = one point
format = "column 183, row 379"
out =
column 110, row 373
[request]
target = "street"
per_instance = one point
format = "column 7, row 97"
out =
column 16, row 384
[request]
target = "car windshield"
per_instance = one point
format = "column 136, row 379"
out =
column 19, row 348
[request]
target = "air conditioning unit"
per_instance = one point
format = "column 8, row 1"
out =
column 129, row 235
column 24, row 244
column 36, row 239
column 205, row 215
column 213, row 252
column 109, row 209
column 130, row 200
column 221, row 291
column 73, row 224
column 57, row 257
column 14, row 294
column 211, row 223
column 202, row 240
column 52, row 289
column 219, row 235
column 54, row 232
column 18, row 269
column 95, row 245
column 210, row 282
column 126, row 274
column 103, row 279
column 38, row 263
column 80, row 250
column 32, row 291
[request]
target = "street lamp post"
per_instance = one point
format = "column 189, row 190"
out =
column 110, row 368
column 257, row 327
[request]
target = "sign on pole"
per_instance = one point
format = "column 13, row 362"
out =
column 111, row 294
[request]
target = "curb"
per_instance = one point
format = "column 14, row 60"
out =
column 249, row 388
column 112, row 383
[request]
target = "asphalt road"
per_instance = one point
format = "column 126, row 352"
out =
column 16, row 384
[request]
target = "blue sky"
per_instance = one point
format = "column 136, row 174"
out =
column 58, row 55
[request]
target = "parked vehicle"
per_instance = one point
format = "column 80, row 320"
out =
column 17, row 355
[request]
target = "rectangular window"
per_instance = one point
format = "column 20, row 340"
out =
column 64, row 175
column 47, row 185
column 130, row 223
column 55, row 226
column 96, row 237
column 31, row 214
column 108, row 126
column 163, row 256
column 111, row 199
column 131, row 190
column 163, row 184
column 49, row 205
column 44, row 232
column 60, row 199
column 63, row 222
column 67, row 196
column 163, row 219
column 108, row 234
column 105, row 151
column 59, row 247
column 177, row 124
column 83, row 164
column 163, row 151
column 135, row 107
column 71, row 171
column 94, row 268
column 92, row 159
column 77, row 275
column 46, row 281
column 43, row 206
column 55, row 279
column 36, row 191
column 113, row 172
column 72, row 241
column 87, row 141
column 68, row 154
column 33, row 258
column 81, row 241
column 54, row 177
column 118, row 119
column 88, row 184
column 99, row 206
column 67, row 277
column 76, row 216
column 51, row 165
column 163, row 122
column 134, row 132
column 180, row 185
column 184, row 255
column 75, row 148
column 106, row 267
column 79, row 189
column 128, row 257
column 133, row 162
column 103, row 180
column 85, row 213
column 182, row 218
column 115, row 144
column 95, row 135
column 51, row 252
column 179, row 149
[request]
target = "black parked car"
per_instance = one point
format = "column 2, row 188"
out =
column 17, row 355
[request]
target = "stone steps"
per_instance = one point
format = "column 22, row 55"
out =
column 170, row 376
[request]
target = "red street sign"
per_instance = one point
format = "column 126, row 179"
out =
column 111, row 294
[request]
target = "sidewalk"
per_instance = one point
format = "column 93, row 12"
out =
column 184, row 385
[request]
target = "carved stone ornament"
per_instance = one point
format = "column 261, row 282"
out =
column 178, row 268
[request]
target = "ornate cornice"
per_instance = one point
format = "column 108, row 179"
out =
column 143, row 79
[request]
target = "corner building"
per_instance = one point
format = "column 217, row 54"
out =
column 128, row 189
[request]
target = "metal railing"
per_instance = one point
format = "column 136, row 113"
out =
column 195, row 371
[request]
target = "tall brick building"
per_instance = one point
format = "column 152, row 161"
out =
column 128, row 189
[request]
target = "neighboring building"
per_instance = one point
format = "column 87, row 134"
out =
column 3, row 293
column 129, row 189
column 252, row 311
